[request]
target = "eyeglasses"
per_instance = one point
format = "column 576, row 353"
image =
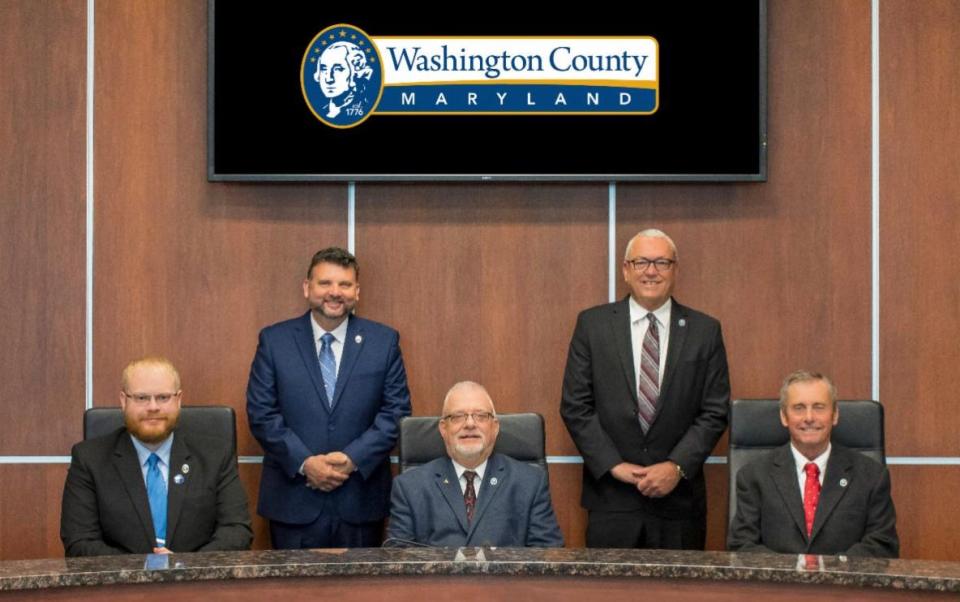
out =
column 143, row 398
column 461, row 417
column 641, row 264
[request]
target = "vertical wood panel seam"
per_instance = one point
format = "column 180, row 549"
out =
column 352, row 217
column 88, row 343
column 612, row 241
column 875, row 199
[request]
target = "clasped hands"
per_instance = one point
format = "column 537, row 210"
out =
column 656, row 480
column 326, row 472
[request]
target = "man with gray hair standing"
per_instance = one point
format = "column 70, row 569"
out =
column 645, row 396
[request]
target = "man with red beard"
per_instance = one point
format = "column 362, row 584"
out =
column 474, row 497
column 325, row 394
column 148, row 488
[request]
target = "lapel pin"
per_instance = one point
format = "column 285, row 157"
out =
column 446, row 482
column 185, row 468
column 493, row 481
column 682, row 323
column 358, row 339
column 843, row 482
column 178, row 479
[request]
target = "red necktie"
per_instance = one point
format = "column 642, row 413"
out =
column 470, row 494
column 811, row 494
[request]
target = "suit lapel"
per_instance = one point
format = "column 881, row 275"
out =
column 838, row 468
column 179, row 457
column 678, row 336
column 127, row 465
column 785, row 480
column 449, row 485
column 351, row 351
column 494, row 478
column 620, row 324
column 308, row 352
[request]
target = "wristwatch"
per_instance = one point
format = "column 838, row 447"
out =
column 680, row 472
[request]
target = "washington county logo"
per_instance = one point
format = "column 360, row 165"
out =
column 347, row 75
column 341, row 76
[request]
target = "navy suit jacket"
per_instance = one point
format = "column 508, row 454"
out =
column 855, row 514
column 291, row 417
column 599, row 407
column 513, row 507
column 106, row 511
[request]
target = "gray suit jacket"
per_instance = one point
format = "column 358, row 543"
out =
column 855, row 515
column 513, row 507
column 599, row 407
column 106, row 511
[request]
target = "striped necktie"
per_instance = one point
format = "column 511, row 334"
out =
column 648, row 383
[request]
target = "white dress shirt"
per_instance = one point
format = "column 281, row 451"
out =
column 477, row 480
column 638, row 329
column 339, row 336
column 802, row 460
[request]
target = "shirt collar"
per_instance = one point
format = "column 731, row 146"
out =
column 340, row 332
column 638, row 312
column 821, row 460
column 480, row 470
column 163, row 450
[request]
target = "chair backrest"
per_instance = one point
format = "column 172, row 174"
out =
column 521, row 437
column 755, row 429
column 211, row 421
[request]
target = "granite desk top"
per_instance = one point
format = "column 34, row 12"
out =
column 375, row 562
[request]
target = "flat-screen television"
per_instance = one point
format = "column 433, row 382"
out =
column 664, row 91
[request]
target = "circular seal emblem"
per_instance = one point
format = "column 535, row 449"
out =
column 341, row 76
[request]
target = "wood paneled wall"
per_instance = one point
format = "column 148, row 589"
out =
column 483, row 281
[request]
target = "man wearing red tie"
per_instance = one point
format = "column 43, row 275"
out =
column 811, row 496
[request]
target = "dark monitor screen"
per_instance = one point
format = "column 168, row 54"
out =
column 291, row 97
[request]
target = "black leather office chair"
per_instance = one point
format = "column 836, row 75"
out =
column 521, row 437
column 210, row 421
column 755, row 429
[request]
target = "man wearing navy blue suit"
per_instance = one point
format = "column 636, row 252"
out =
column 325, row 395
column 472, row 498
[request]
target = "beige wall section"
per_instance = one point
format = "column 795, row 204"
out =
column 42, row 224
column 483, row 281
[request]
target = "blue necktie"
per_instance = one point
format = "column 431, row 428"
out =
column 328, row 365
column 157, row 493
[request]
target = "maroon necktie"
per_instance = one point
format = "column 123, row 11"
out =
column 648, row 382
column 470, row 494
column 811, row 494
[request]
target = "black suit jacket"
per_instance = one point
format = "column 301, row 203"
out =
column 599, row 407
column 855, row 515
column 106, row 511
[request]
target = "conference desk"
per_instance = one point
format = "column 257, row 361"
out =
column 478, row 574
